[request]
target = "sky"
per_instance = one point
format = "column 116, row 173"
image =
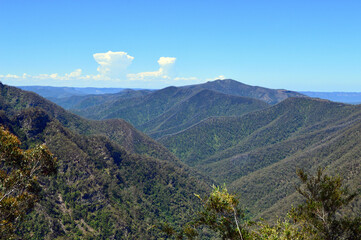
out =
column 303, row 45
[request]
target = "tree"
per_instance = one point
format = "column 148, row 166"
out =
column 220, row 212
column 281, row 230
column 321, row 214
column 19, row 186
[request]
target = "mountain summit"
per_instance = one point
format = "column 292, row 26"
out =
column 233, row 87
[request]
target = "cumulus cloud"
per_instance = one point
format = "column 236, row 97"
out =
column 166, row 61
column 43, row 79
column 74, row 74
column 112, row 71
column 112, row 64
column 164, row 71
column 220, row 77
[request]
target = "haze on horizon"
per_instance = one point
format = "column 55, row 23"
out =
column 301, row 46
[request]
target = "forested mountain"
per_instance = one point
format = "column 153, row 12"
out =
column 117, row 130
column 82, row 102
column 203, row 104
column 115, row 181
column 172, row 109
column 232, row 87
column 105, row 189
column 258, row 153
column 64, row 92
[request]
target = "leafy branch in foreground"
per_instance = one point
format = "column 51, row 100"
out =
column 220, row 212
column 19, row 187
column 319, row 217
column 321, row 214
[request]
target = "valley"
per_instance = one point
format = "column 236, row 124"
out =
column 114, row 176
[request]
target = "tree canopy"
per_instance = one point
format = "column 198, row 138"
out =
column 19, row 185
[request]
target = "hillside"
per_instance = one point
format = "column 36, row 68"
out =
column 85, row 101
column 232, row 87
column 104, row 189
column 233, row 149
column 64, row 92
column 13, row 99
column 199, row 106
column 171, row 109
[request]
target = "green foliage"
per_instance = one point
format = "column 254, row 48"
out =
column 19, row 186
column 220, row 212
column 255, row 154
column 321, row 212
column 104, row 189
column 281, row 230
column 318, row 218
column 170, row 110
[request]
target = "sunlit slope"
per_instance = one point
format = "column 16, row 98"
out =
column 257, row 154
column 103, row 189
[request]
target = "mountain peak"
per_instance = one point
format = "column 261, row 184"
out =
column 233, row 87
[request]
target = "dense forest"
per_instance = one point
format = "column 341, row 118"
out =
column 269, row 154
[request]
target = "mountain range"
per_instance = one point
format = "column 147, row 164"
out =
column 113, row 181
column 172, row 109
column 113, row 176
column 63, row 92
column 258, row 153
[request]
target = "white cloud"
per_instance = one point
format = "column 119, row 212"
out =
column 112, row 71
column 112, row 64
column 164, row 71
column 220, row 77
column 74, row 74
column 166, row 61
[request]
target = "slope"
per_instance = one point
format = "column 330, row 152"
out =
column 199, row 106
column 85, row 101
column 230, row 149
column 102, row 190
column 171, row 109
column 64, row 92
column 232, row 87
column 13, row 99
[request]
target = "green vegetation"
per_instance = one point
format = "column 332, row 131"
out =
column 171, row 109
column 103, row 190
column 19, row 186
column 114, row 182
column 320, row 216
column 13, row 99
column 254, row 153
column 201, row 105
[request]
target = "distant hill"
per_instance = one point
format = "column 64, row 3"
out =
column 85, row 101
column 202, row 105
column 171, row 109
column 63, row 92
column 105, row 189
column 344, row 97
column 232, row 87
column 257, row 154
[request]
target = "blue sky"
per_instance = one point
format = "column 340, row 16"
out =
column 296, row 45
